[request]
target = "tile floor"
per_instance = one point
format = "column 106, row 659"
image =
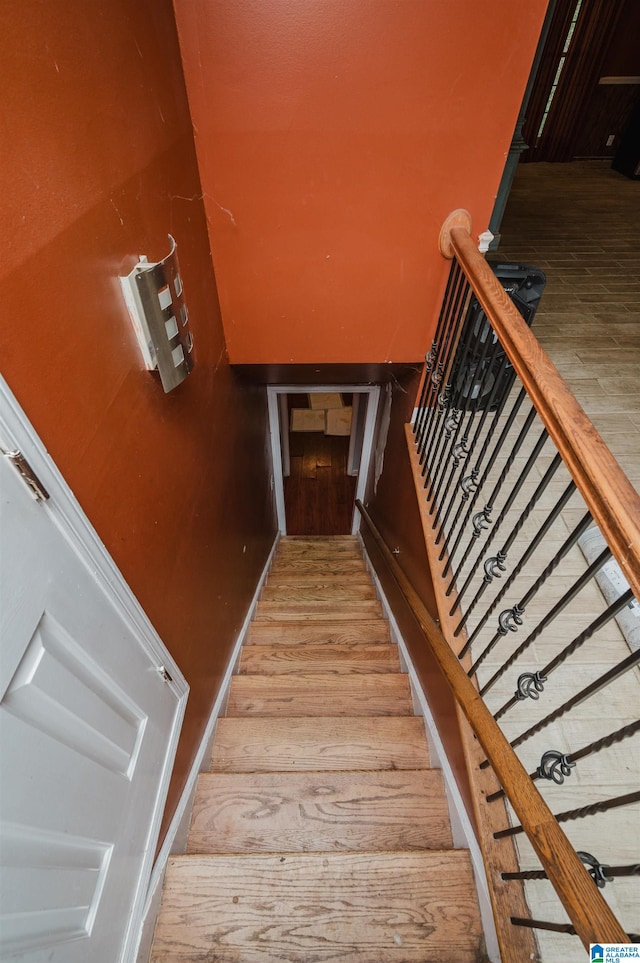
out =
column 580, row 223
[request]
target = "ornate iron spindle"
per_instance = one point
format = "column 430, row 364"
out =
column 469, row 483
column 596, row 686
column 577, row 586
column 558, row 927
column 432, row 355
column 478, row 486
column 493, row 566
column 599, row 872
column 543, row 925
column 481, row 520
column 591, row 810
column 450, row 414
column 430, row 386
column 547, row 771
column 458, row 449
column 452, row 422
column 461, row 293
column 425, row 390
column 503, row 553
column 530, row 549
column 526, row 691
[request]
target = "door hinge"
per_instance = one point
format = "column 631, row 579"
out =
column 21, row 465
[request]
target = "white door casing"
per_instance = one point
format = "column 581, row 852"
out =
column 91, row 705
column 274, row 392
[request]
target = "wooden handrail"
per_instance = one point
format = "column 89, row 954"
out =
column 611, row 498
column 589, row 913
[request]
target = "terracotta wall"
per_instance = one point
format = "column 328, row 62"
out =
column 97, row 166
column 333, row 140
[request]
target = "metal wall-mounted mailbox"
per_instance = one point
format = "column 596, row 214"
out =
column 155, row 299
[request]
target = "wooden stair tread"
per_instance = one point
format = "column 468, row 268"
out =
column 356, row 657
column 327, row 610
column 335, row 580
column 315, row 632
column 334, row 566
column 317, row 550
column 319, row 812
column 373, row 908
column 325, row 743
column 320, row 694
column 317, row 592
column 319, row 539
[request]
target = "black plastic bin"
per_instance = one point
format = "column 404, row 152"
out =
column 524, row 284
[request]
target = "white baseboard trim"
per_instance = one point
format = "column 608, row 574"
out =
column 463, row 832
column 178, row 827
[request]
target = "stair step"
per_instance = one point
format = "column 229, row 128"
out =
column 304, row 548
column 327, row 744
column 366, row 631
column 299, row 567
column 373, row 908
column 319, row 539
column 319, row 812
column 344, row 591
column 320, row 694
column 327, row 610
column 357, row 657
column 293, row 577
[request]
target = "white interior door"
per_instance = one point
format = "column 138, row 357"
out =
column 88, row 725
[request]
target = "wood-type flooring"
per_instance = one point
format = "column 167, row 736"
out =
column 318, row 494
column 321, row 833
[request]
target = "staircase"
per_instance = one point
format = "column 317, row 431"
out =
column 320, row 832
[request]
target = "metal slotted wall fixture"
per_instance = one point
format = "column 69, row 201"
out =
column 155, row 299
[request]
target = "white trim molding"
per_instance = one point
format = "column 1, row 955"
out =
column 273, row 393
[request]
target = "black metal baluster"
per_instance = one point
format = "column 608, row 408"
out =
column 453, row 327
column 555, row 765
column 478, row 486
column 531, row 547
column 530, row 685
column 480, row 520
column 428, row 387
column 591, row 810
column 558, row 927
column 503, row 553
column 596, row 686
column 577, row 586
column 450, row 428
column 458, row 450
column 467, row 484
column 442, row 427
column 429, row 361
column 600, row 873
column 493, row 566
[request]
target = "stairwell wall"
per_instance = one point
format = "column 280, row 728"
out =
column 333, row 140
column 98, row 165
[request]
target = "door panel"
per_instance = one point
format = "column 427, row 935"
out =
column 86, row 722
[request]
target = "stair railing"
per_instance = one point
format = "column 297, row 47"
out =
column 511, row 476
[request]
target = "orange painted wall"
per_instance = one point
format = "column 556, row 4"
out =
column 333, row 139
column 97, row 165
